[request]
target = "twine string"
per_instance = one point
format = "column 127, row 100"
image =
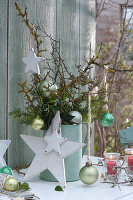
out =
column 106, row 87
column 89, row 124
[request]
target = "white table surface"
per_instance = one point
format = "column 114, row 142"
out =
column 78, row 191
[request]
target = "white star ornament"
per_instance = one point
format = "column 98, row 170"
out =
column 53, row 143
column 4, row 144
column 32, row 62
column 50, row 152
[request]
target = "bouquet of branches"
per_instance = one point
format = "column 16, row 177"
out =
column 60, row 89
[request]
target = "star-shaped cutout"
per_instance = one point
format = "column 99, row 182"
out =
column 32, row 62
column 51, row 160
column 4, row 144
column 53, row 143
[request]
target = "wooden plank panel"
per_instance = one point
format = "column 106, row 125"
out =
column 68, row 31
column 87, row 40
column 3, row 67
column 87, row 29
column 76, row 30
column 43, row 11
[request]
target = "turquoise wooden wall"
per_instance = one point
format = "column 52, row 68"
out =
column 71, row 21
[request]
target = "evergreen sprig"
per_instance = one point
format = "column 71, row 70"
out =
column 22, row 116
column 23, row 186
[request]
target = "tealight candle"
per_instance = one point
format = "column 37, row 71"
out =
column 111, row 167
column 130, row 162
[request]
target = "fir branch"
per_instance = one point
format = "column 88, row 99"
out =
column 22, row 116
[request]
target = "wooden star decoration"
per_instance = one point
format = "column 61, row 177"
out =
column 32, row 62
column 4, row 144
column 50, row 152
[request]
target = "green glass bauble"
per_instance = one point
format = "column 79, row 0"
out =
column 48, row 84
column 107, row 119
column 6, row 170
column 10, row 184
column 88, row 174
column 77, row 117
column 37, row 123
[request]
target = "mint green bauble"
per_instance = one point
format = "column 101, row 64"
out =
column 88, row 174
column 107, row 119
column 6, row 170
column 10, row 184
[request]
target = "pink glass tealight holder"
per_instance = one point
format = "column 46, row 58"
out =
column 129, row 161
column 111, row 166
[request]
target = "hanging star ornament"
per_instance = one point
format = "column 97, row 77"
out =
column 4, row 144
column 32, row 62
column 50, row 151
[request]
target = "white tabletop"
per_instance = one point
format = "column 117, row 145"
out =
column 78, row 191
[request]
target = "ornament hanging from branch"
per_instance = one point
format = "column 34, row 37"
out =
column 89, row 174
column 50, row 151
column 77, row 117
column 32, row 62
column 48, row 87
column 37, row 123
column 107, row 118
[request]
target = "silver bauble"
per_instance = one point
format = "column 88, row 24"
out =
column 51, row 87
column 77, row 117
column 88, row 174
column 10, row 184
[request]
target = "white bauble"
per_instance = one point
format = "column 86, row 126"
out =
column 94, row 92
column 48, row 84
column 53, row 87
column 77, row 117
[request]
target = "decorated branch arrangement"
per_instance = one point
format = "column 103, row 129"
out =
column 54, row 92
column 58, row 88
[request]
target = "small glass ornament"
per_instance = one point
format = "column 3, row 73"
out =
column 37, row 123
column 48, row 87
column 77, row 117
column 107, row 119
column 129, row 161
column 88, row 174
column 11, row 184
column 112, row 166
column 6, row 170
column 8, row 182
